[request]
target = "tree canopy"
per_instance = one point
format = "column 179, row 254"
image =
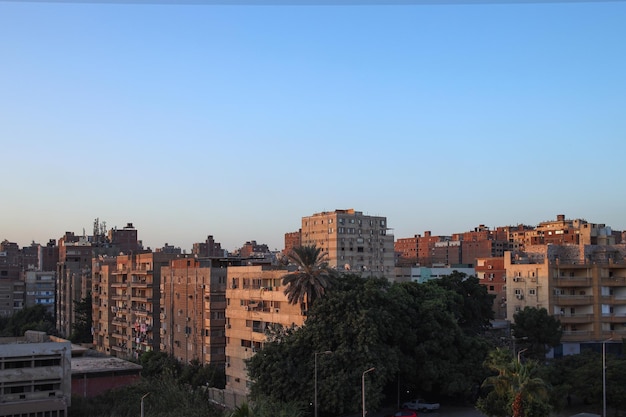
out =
column 515, row 389
column 312, row 277
column 29, row 318
column 536, row 331
column 408, row 332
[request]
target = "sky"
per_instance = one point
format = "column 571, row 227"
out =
column 238, row 120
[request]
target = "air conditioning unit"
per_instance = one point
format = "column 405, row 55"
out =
column 520, row 296
column 247, row 308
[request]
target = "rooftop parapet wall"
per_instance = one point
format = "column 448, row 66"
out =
column 571, row 254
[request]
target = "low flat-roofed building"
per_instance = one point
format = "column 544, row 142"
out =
column 94, row 375
column 35, row 376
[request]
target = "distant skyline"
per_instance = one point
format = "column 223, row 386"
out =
column 237, row 121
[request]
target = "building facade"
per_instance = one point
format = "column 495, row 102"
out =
column 193, row 304
column 353, row 241
column 255, row 304
column 35, row 376
column 491, row 273
column 40, row 289
column 127, row 303
column 583, row 286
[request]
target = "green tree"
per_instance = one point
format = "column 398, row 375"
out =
column 81, row 328
column 406, row 331
column 438, row 356
column 580, row 376
column 29, row 318
column 536, row 331
column 312, row 277
column 515, row 389
column 473, row 308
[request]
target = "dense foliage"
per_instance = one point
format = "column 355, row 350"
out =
column 515, row 389
column 408, row 332
column 536, row 332
column 312, row 278
column 81, row 328
column 173, row 389
column 166, row 398
column 29, row 318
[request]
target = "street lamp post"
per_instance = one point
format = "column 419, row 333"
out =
column 519, row 355
column 363, row 389
column 604, row 377
column 327, row 352
column 144, row 396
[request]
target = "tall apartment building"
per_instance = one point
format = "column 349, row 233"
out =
column 35, row 376
column 193, row 305
column 255, row 302
column 584, row 286
column 73, row 276
column 74, row 269
column 353, row 241
column 126, row 303
column 40, row 289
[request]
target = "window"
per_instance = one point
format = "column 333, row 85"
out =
column 532, row 292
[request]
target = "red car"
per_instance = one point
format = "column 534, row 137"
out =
column 406, row 413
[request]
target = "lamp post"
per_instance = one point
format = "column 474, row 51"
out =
column 519, row 355
column 604, row 377
column 327, row 352
column 144, row 396
column 363, row 389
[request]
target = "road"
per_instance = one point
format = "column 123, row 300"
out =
column 444, row 411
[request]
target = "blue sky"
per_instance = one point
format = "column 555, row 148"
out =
column 237, row 121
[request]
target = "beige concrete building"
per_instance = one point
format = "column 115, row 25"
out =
column 193, row 304
column 584, row 286
column 35, row 376
column 255, row 303
column 126, row 303
column 354, row 242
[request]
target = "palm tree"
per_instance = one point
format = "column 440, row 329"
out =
column 516, row 389
column 312, row 277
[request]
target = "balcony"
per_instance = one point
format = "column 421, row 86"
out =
column 573, row 300
column 613, row 281
column 567, row 282
column 576, row 336
column 575, row 318
column 614, row 318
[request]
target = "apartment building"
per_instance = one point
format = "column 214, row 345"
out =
column 564, row 231
column 491, row 273
column 126, row 302
column 208, row 249
column 584, row 286
column 192, row 312
column 255, row 303
column 40, row 289
column 73, row 276
column 292, row 240
column 353, row 241
column 35, row 376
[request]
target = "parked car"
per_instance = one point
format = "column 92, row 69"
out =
column 406, row 413
column 420, row 405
